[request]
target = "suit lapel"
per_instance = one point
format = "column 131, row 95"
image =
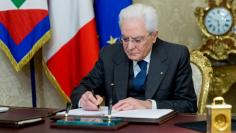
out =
column 157, row 70
column 121, row 74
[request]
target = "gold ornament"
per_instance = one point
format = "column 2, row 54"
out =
column 218, row 116
column 217, row 23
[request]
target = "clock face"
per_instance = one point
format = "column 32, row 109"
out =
column 218, row 21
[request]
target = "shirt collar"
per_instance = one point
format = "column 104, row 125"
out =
column 147, row 58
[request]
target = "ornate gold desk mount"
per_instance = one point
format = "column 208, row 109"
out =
column 218, row 116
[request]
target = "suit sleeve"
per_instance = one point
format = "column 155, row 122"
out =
column 93, row 80
column 183, row 98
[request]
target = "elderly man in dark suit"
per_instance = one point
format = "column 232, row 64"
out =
column 147, row 72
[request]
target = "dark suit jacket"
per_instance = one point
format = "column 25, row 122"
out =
column 169, row 80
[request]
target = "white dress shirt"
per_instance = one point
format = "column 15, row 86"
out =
column 137, row 69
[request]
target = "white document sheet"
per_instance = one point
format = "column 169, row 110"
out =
column 140, row 113
column 143, row 113
column 80, row 112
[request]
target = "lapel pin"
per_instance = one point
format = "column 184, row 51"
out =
column 161, row 73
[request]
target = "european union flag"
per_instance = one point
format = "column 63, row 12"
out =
column 106, row 14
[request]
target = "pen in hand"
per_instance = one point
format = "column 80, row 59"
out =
column 98, row 106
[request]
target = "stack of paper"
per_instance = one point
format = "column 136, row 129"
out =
column 140, row 115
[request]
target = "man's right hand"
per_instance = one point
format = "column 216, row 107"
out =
column 89, row 102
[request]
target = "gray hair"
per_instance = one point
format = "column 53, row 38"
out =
column 139, row 10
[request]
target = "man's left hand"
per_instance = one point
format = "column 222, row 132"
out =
column 132, row 103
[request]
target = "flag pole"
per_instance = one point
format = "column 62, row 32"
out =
column 33, row 87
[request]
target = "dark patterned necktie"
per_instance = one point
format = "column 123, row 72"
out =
column 139, row 80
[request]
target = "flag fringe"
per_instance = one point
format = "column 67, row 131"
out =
column 29, row 55
column 53, row 80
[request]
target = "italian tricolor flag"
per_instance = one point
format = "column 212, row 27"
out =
column 24, row 29
column 73, row 49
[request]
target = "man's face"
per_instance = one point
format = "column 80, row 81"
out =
column 137, row 41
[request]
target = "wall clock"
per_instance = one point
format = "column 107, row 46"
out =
column 217, row 23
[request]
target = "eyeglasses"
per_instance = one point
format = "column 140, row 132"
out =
column 136, row 40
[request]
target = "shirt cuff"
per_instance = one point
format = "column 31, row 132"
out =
column 79, row 106
column 154, row 104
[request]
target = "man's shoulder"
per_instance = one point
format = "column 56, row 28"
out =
column 170, row 45
column 112, row 48
column 172, row 50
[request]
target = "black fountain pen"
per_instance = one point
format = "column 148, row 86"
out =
column 95, row 97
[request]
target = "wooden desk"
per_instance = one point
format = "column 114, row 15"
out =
column 167, row 127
